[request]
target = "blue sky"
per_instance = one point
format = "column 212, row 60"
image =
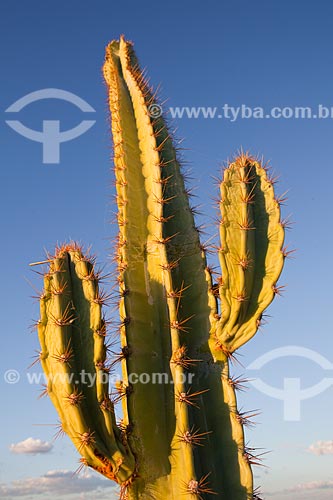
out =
column 204, row 54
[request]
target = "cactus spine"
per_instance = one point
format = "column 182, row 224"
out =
column 182, row 438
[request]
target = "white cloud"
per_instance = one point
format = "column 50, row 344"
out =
column 31, row 446
column 56, row 483
column 312, row 485
column 321, row 448
column 304, row 488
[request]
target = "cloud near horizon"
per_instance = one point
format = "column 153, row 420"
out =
column 31, row 446
column 304, row 488
column 312, row 485
column 56, row 483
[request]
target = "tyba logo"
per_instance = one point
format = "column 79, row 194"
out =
column 292, row 394
column 51, row 137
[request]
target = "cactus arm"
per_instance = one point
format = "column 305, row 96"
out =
column 185, row 283
column 181, row 269
column 161, row 308
column 251, row 259
column 142, row 314
column 251, row 254
column 70, row 329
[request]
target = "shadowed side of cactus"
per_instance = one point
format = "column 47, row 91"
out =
column 181, row 435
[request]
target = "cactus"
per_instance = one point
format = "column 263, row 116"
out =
column 182, row 437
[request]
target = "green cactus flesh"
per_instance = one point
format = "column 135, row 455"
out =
column 71, row 332
column 181, row 435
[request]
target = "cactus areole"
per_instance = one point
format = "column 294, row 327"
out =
column 181, row 435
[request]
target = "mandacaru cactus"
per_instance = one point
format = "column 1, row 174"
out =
column 181, row 435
